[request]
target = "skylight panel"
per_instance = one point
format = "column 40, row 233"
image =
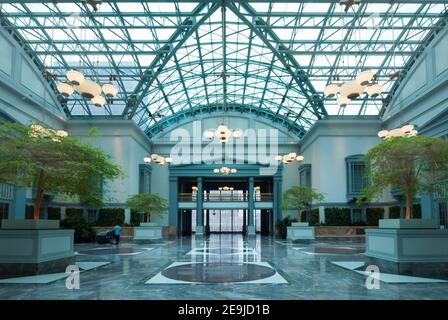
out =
column 315, row 7
column 130, row 7
column 259, row 7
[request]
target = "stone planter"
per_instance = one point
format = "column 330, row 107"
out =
column 300, row 231
column 35, row 251
column 406, row 224
column 148, row 231
column 408, row 245
column 25, row 224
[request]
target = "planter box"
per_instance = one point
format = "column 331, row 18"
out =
column 406, row 224
column 149, row 224
column 25, row 224
column 300, row 224
column 300, row 233
column 148, row 231
column 31, row 252
column 407, row 245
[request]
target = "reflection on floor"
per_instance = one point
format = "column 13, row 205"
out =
column 359, row 267
column 227, row 267
column 47, row 278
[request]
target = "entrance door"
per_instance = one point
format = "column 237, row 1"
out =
column 226, row 221
column 265, row 222
column 186, row 222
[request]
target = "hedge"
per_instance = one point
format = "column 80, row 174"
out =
column 110, row 217
column 54, row 213
column 136, row 218
column 394, row 212
column 337, row 217
column 373, row 215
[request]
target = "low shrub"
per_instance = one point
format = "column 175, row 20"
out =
column 374, row 215
column 337, row 217
column 84, row 232
column 110, row 217
column 282, row 225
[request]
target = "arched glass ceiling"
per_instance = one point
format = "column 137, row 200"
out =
column 172, row 58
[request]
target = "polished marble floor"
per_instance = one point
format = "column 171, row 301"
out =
column 224, row 266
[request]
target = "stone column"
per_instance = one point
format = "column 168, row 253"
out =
column 172, row 203
column 276, row 200
column 199, row 212
column 63, row 213
column 127, row 215
column 321, row 214
column 251, row 207
column 19, row 204
column 386, row 212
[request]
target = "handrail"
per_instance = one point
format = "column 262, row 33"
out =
column 224, row 196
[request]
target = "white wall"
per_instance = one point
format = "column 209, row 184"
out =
column 422, row 96
column 160, row 186
column 24, row 94
column 127, row 146
column 327, row 145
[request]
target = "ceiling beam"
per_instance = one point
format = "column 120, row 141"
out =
column 288, row 61
column 157, row 65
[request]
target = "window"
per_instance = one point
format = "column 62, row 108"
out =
column 4, row 208
column 356, row 180
column 305, row 175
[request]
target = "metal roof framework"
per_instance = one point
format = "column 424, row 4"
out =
column 172, row 60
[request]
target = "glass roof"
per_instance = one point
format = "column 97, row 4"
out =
column 271, row 59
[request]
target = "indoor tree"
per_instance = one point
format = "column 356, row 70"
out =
column 411, row 165
column 147, row 204
column 52, row 162
column 300, row 197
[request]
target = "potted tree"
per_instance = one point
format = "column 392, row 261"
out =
column 300, row 197
column 410, row 165
column 147, row 204
column 50, row 162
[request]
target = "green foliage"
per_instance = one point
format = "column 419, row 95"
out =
column 337, row 217
column 53, row 163
column 417, row 211
column 147, row 204
column 110, row 217
column 54, row 213
column 373, row 215
column 136, row 218
column 311, row 216
column 74, row 212
column 282, row 225
column 300, row 197
column 314, row 221
column 84, row 232
column 394, row 212
column 410, row 165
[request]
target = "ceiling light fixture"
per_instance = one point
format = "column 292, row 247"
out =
column 160, row 160
column 224, row 170
column 289, row 158
column 408, row 130
column 223, row 133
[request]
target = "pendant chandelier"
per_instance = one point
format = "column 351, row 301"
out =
column 289, row 158
column 408, row 130
column 88, row 89
column 222, row 133
column 157, row 159
column 224, row 170
column 350, row 90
